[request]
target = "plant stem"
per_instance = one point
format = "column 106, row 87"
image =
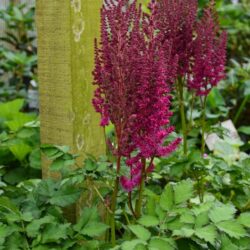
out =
column 240, row 110
column 182, row 113
column 130, row 205
column 141, row 188
column 114, row 201
column 190, row 125
column 203, row 122
column 102, row 199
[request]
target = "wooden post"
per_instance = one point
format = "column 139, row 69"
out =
column 66, row 31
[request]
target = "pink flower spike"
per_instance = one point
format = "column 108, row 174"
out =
column 208, row 66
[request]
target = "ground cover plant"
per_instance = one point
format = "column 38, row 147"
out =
column 17, row 52
column 159, row 186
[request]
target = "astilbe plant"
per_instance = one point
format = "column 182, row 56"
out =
column 133, row 93
column 209, row 58
column 209, row 55
column 200, row 47
column 175, row 21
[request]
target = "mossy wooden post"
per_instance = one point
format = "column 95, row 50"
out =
column 66, row 31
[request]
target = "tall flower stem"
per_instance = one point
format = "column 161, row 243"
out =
column 130, row 204
column 141, row 189
column 114, row 201
column 240, row 110
column 182, row 113
column 190, row 125
column 203, row 124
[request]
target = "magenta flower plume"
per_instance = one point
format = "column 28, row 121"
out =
column 132, row 81
column 209, row 54
column 175, row 20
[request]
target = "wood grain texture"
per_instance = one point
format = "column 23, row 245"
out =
column 66, row 31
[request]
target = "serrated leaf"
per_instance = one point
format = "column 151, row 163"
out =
column 187, row 217
column 148, row 221
column 244, row 219
column 54, row 232
column 161, row 244
column 65, row 196
column 6, row 203
column 184, row 232
column 233, row 228
column 35, row 159
column 57, row 164
column 222, row 212
column 5, row 231
column 130, row 245
column 87, row 215
column 202, row 208
column 207, row 233
column 183, row 191
column 175, row 224
column 140, row 246
column 227, row 244
column 34, row 226
column 141, row 232
column 167, row 198
column 201, row 220
column 94, row 229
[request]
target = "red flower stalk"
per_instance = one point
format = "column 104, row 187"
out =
column 175, row 20
column 209, row 54
column 132, row 92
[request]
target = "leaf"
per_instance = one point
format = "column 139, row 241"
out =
column 167, row 198
column 148, row 221
column 90, row 165
column 10, row 109
column 54, row 232
column 201, row 208
column 184, row 232
column 244, row 129
column 222, row 212
column 232, row 228
column 141, row 232
column 65, row 196
column 5, row 231
column 87, row 215
column 244, row 219
column 52, row 152
column 57, row 164
column 207, row 233
column 6, row 203
column 34, row 227
column 187, row 217
column 15, row 175
column 161, row 244
column 17, row 14
column 130, row 245
column 94, row 229
column 201, row 220
column 19, row 121
column 20, row 150
column 35, row 159
column 227, row 244
column 183, row 191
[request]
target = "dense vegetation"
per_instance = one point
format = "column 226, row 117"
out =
column 188, row 201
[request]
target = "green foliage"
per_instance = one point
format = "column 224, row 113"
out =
column 36, row 219
column 18, row 59
column 19, row 143
column 204, row 225
column 190, row 203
